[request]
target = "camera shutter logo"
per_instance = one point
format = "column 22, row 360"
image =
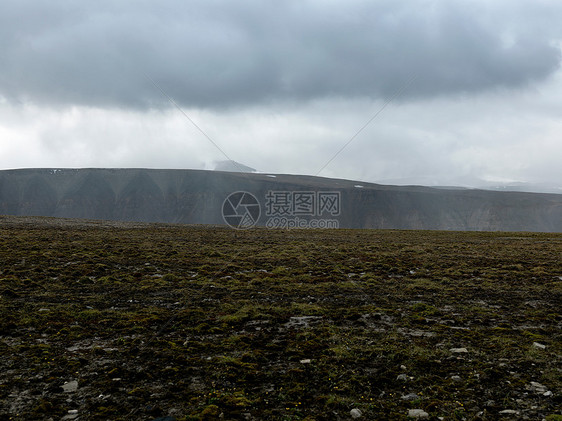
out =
column 241, row 210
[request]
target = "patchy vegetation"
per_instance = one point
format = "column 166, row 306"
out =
column 121, row 321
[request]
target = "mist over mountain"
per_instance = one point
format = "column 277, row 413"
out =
column 232, row 166
column 198, row 196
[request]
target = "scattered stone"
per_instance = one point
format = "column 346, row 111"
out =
column 417, row 413
column 456, row 378
column 410, row 397
column 306, row 361
column 537, row 387
column 72, row 415
column 44, row 310
column 459, row 350
column 356, row 413
column 402, row 377
column 538, row 345
column 70, row 387
column 302, row 321
column 547, row 394
column 402, row 367
column 416, row 333
column 509, row 412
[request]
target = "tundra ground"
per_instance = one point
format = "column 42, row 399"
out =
column 117, row 321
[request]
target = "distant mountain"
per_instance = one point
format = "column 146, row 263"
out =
column 200, row 197
column 477, row 183
column 524, row 187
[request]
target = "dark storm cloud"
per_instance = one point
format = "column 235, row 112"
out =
column 223, row 53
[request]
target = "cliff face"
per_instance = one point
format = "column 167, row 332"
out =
column 196, row 197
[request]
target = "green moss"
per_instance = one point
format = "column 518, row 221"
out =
column 211, row 412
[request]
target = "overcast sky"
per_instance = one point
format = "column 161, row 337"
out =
column 471, row 90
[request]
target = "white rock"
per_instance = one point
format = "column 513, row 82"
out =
column 417, row 413
column 547, row 393
column 306, row 361
column 70, row 387
column 409, row 397
column 456, row 378
column 458, row 350
column 509, row 412
column 403, row 377
column 355, row 413
column 539, row 345
column 537, row 387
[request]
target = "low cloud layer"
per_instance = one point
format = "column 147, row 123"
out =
column 282, row 86
column 218, row 54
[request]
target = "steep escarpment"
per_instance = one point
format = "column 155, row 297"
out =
column 197, row 197
column 425, row 208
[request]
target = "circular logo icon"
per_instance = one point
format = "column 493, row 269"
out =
column 241, row 210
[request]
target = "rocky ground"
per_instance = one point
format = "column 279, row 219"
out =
column 120, row 321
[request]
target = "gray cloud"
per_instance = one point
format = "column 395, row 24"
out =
column 217, row 54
